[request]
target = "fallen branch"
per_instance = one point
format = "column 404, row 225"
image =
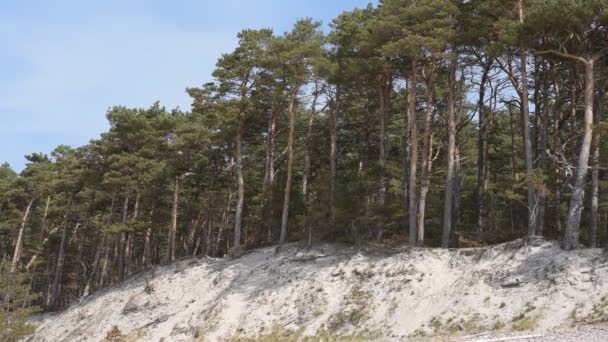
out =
column 311, row 258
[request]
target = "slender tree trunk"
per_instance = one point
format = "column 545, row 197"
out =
column 574, row 95
column 19, row 243
column 130, row 241
column 455, row 231
column 572, row 231
column 413, row 129
column 482, row 150
column 45, row 215
column 91, row 277
column 224, row 222
column 525, row 112
column 290, row 143
column 384, row 91
column 238, row 216
column 147, row 241
column 268, row 185
column 557, row 118
column 333, row 157
column 173, row 228
column 514, row 175
column 427, row 157
column 123, row 240
column 405, row 159
column 451, row 152
column 311, row 119
column 54, row 302
column 543, row 132
column 528, row 154
column 104, row 267
column 595, row 163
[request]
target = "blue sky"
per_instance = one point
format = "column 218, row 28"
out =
column 63, row 63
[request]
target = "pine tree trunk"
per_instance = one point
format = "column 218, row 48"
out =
column 525, row 113
column 173, row 228
column 130, row 241
column 514, row 176
column 557, row 118
column 413, row 129
column 595, row 164
column 572, row 231
column 45, row 215
column 54, row 302
column 528, row 154
column 290, row 143
column 482, row 150
column 123, row 240
column 19, row 243
column 333, row 156
column 451, row 153
column 384, row 91
column 311, row 119
column 268, row 185
column 427, row 156
column 238, row 216
column 457, row 202
column 91, row 277
column 225, row 221
column 147, row 241
column 405, row 160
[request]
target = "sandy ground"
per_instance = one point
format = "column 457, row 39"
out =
column 371, row 293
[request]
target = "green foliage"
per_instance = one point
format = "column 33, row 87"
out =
column 356, row 74
column 15, row 309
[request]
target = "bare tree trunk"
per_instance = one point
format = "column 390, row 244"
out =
column 427, row 156
column 268, row 169
column 455, row 231
column 123, row 240
column 268, row 185
column 482, row 150
column 413, row 129
column 19, row 243
column 173, row 228
column 91, row 277
column 104, row 267
column 224, row 222
column 333, row 155
column 54, row 302
column 451, row 152
column 131, row 237
column 405, row 159
column 595, row 161
column 238, row 216
column 45, row 215
column 384, row 91
column 525, row 112
column 514, row 175
column 147, row 241
column 572, row 231
column 557, row 118
column 290, row 143
column 528, row 156
column 311, row 119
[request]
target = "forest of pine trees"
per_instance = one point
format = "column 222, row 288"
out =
column 436, row 123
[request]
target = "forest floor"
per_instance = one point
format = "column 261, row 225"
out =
column 341, row 293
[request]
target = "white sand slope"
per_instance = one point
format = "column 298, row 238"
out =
column 388, row 295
